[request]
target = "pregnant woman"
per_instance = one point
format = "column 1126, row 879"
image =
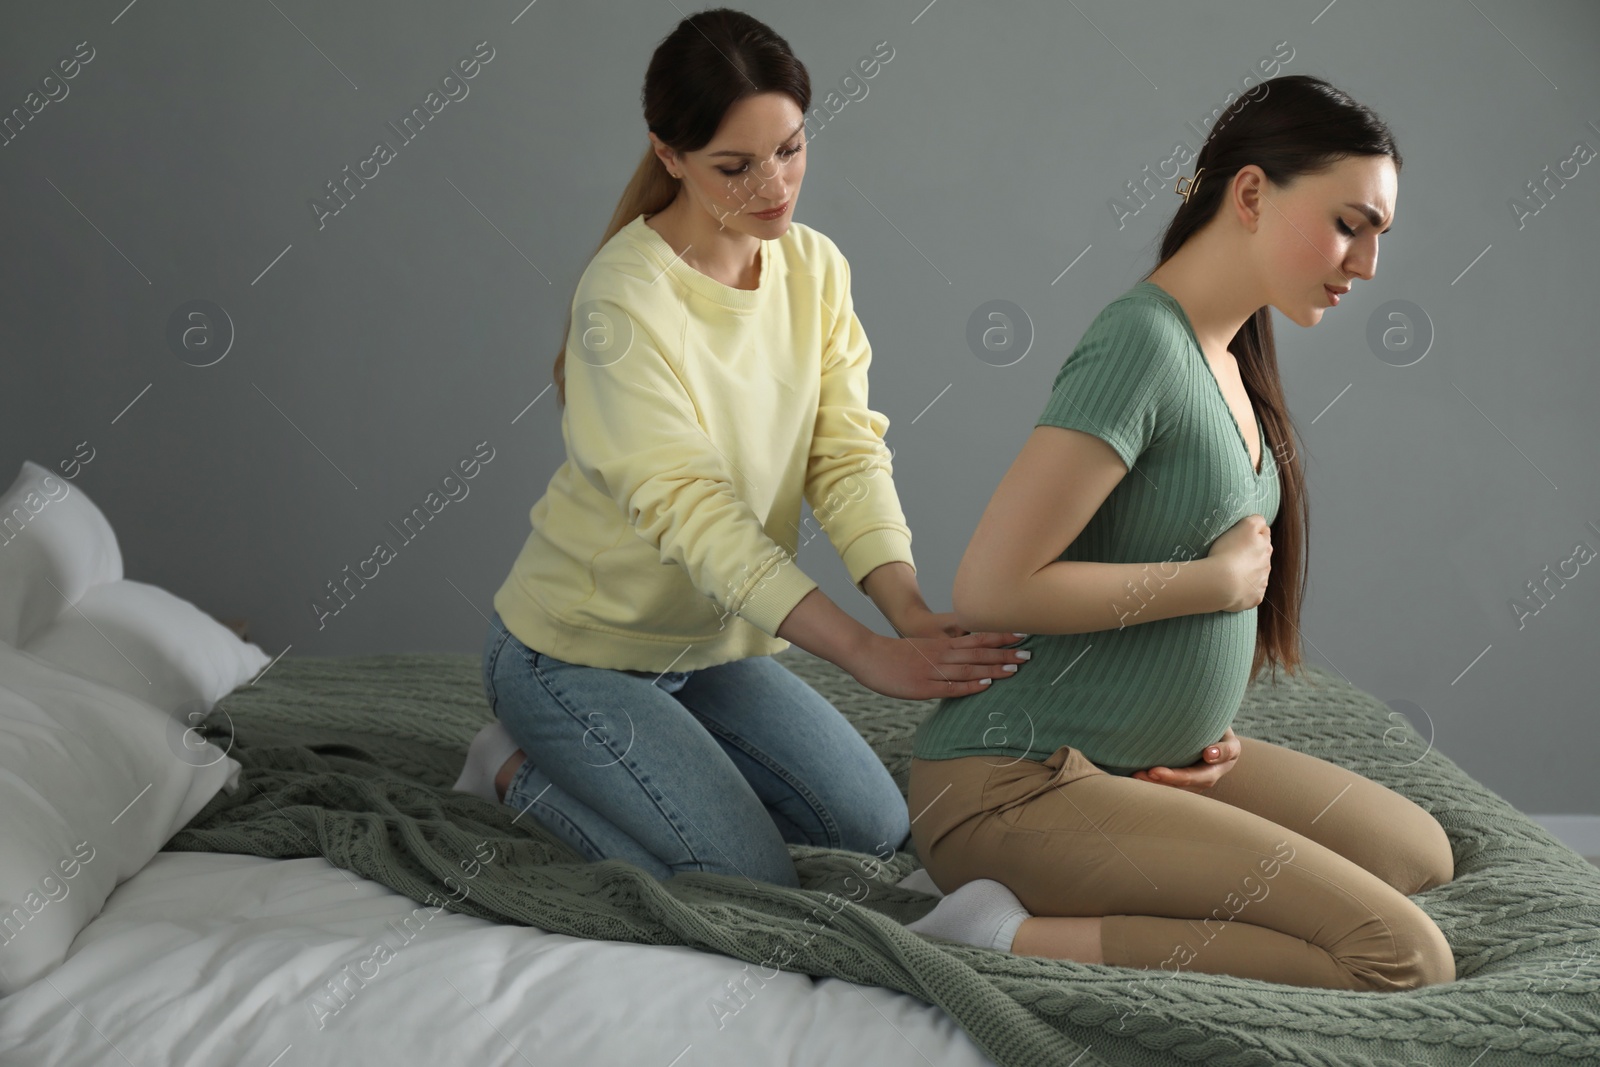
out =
column 714, row 373
column 1135, row 537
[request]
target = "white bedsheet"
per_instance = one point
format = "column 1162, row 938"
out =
column 211, row 958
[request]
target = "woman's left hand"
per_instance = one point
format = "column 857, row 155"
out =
column 925, row 622
column 1199, row 777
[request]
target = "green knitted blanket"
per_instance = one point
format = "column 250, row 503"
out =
column 352, row 758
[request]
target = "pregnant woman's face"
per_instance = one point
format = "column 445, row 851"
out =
column 755, row 163
column 1322, row 230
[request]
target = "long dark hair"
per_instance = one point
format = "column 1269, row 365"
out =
column 709, row 62
column 1289, row 126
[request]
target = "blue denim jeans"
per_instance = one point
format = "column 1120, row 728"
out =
column 713, row 769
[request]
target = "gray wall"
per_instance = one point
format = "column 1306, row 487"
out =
column 371, row 352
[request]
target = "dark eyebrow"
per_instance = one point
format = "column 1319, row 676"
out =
column 746, row 155
column 1372, row 215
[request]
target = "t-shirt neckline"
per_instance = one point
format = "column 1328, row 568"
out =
column 1261, row 436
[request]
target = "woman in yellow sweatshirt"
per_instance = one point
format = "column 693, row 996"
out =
column 714, row 374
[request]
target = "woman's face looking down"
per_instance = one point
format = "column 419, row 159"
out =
column 753, row 164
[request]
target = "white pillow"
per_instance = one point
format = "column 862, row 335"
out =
column 63, row 598
column 92, row 784
column 54, row 543
column 144, row 641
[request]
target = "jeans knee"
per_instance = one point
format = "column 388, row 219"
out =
column 774, row 867
column 881, row 836
column 778, row 872
column 897, row 829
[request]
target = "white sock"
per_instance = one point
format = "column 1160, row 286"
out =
column 982, row 912
column 485, row 756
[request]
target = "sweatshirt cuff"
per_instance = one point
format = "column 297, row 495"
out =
column 875, row 548
column 775, row 595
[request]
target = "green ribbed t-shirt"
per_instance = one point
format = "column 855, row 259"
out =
column 1138, row 694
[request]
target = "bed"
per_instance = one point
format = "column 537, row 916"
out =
column 305, row 887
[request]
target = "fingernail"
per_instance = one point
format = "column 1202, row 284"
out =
column 1212, row 753
column 985, row 681
column 1025, row 654
column 1015, row 634
column 1009, row 667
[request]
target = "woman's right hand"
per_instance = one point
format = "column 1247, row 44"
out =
column 1243, row 556
column 927, row 668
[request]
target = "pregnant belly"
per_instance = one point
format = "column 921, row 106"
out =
column 1152, row 699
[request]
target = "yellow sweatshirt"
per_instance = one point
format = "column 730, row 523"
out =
column 697, row 416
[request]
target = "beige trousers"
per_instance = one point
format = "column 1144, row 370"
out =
column 1290, row 869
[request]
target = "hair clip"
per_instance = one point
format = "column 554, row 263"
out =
column 1193, row 184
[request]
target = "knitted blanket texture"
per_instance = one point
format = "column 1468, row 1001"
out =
column 352, row 759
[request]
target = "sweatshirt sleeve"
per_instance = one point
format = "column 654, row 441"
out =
column 849, row 474
column 633, row 434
